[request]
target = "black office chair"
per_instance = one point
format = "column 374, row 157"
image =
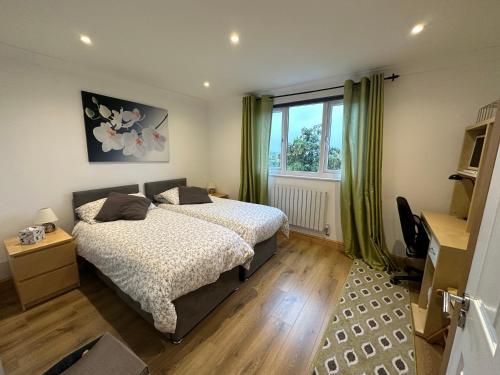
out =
column 416, row 240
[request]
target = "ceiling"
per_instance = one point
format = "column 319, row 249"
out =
column 177, row 45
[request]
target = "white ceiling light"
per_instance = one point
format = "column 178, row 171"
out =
column 206, row 84
column 417, row 29
column 235, row 38
column 85, row 39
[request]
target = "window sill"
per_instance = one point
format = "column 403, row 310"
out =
column 302, row 177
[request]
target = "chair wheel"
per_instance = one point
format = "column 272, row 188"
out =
column 395, row 282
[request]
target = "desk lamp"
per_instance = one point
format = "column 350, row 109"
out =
column 457, row 177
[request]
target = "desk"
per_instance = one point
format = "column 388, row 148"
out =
column 444, row 266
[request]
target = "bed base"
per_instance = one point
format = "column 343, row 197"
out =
column 191, row 308
column 263, row 252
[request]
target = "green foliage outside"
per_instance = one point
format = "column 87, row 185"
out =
column 304, row 152
column 334, row 158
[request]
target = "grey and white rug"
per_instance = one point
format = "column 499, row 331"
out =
column 371, row 329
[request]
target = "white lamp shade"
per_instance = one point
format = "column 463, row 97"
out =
column 211, row 185
column 45, row 215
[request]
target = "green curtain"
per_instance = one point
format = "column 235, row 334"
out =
column 361, row 206
column 255, row 134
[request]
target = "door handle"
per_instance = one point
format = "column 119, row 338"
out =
column 448, row 298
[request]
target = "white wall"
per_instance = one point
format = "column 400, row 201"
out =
column 426, row 111
column 225, row 144
column 43, row 152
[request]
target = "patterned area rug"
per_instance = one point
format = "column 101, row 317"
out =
column 371, row 330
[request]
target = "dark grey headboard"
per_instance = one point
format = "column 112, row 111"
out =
column 153, row 188
column 86, row 196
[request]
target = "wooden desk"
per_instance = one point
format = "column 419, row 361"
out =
column 445, row 265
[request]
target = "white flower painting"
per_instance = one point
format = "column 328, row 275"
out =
column 122, row 131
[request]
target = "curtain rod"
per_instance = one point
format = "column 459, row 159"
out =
column 391, row 77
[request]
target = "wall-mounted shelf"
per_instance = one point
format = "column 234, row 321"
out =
column 480, row 125
column 464, row 192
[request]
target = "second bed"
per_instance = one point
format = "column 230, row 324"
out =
column 257, row 224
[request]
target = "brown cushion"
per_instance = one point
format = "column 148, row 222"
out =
column 108, row 356
column 193, row 195
column 123, row 207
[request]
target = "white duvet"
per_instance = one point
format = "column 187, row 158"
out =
column 161, row 258
column 253, row 222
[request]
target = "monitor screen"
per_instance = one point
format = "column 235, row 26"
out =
column 476, row 152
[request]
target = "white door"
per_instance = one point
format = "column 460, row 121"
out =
column 475, row 349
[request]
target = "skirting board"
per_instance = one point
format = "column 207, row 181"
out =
column 324, row 241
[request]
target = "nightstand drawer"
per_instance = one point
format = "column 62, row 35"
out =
column 39, row 262
column 47, row 285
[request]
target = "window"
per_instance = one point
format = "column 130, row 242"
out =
column 306, row 139
column 275, row 142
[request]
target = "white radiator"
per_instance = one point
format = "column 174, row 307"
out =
column 304, row 207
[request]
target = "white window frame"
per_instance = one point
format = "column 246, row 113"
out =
column 278, row 170
column 323, row 172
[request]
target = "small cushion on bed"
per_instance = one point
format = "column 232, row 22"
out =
column 193, row 195
column 170, row 196
column 123, row 207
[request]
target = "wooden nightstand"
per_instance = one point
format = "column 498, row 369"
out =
column 220, row 195
column 45, row 269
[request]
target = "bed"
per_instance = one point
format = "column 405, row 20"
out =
column 140, row 261
column 256, row 224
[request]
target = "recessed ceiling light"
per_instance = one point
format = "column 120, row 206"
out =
column 417, row 29
column 235, row 38
column 85, row 39
column 206, row 84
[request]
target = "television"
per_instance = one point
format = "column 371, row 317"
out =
column 475, row 157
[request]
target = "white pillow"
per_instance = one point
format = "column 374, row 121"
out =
column 170, row 196
column 88, row 211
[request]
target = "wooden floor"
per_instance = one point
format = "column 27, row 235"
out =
column 269, row 326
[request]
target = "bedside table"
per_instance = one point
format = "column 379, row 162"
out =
column 220, row 195
column 45, row 269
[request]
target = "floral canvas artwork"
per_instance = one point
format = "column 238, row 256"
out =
column 122, row 131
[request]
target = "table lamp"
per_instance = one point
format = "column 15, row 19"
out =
column 211, row 187
column 45, row 216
